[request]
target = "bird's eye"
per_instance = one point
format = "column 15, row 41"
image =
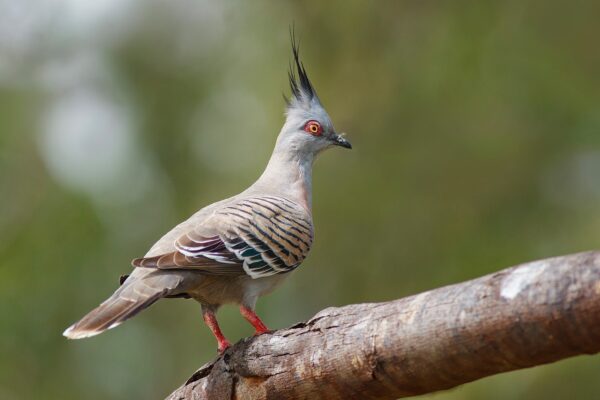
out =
column 314, row 128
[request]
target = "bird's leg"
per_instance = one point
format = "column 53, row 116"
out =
column 211, row 320
column 251, row 317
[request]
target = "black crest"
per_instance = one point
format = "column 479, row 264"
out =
column 300, row 85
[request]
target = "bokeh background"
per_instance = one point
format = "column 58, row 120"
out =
column 476, row 133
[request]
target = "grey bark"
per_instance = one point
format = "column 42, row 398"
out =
column 528, row 315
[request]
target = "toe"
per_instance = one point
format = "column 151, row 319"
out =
column 223, row 346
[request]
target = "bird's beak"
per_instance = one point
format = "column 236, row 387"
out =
column 340, row 140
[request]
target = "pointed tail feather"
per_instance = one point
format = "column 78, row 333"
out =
column 126, row 302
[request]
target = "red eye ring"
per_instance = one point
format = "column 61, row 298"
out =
column 314, row 128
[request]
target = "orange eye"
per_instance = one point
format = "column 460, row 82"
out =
column 314, row 128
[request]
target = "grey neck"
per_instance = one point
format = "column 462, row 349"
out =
column 288, row 174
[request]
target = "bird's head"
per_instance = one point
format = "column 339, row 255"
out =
column 308, row 128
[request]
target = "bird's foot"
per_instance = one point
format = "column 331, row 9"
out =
column 223, row 345
column 262, row 330
column 211, row 321
column 251, row 317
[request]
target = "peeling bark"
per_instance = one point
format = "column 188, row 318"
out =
column 528, row 315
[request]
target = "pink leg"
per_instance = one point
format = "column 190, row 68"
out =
column 254, row 320
column 211, row 321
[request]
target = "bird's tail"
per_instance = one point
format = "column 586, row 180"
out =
column 127, row 301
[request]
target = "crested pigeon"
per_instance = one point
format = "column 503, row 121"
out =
column 240, row 248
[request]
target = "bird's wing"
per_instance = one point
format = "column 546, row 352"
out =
column 259, row 236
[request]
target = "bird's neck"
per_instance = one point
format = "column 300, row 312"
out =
column 288, row 174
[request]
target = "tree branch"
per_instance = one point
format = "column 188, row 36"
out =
column 528, row 315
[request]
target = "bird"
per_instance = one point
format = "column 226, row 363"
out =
column 238, row 249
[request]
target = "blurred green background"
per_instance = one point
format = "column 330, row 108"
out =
column 476, row 133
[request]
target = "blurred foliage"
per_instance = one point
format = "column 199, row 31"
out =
column 476, row 139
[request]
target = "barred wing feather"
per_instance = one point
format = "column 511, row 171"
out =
column 263, row 235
